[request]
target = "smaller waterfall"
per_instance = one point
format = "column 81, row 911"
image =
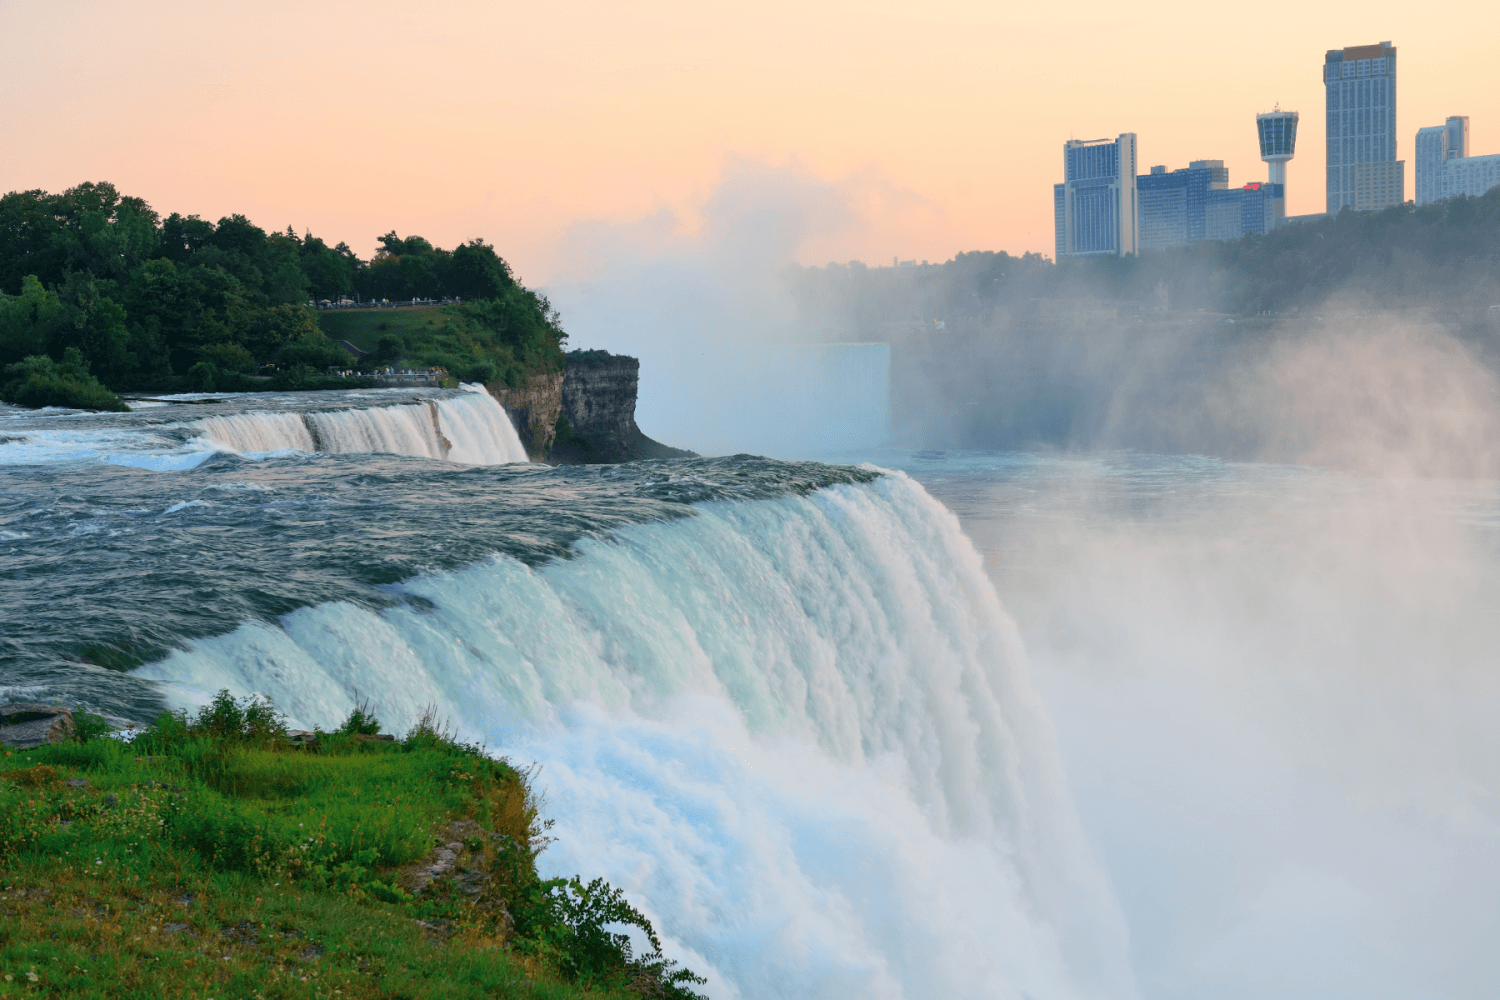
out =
column 472, row 429
column 258, row 432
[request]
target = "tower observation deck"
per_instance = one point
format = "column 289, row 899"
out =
column 1278, row 141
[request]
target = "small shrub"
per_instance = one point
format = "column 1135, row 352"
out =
column 88, row 726
column 203, row 376
column 361, row 721
column 252, row 719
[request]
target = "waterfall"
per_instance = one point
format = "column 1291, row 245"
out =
column 799, row 733
column 472, row 429
column 258, row 432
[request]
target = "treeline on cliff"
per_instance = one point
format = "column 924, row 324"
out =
column 1441, row 256
column 146, row 303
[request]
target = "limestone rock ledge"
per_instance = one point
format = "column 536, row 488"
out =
column 533, row 406
column 598, row 413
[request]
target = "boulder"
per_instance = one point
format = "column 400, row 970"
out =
column 25, row 725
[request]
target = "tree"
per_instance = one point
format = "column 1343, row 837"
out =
column 94, row 323
column 477, row 272
column 27, row 321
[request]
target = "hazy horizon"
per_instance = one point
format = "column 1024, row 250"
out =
column 940, row 131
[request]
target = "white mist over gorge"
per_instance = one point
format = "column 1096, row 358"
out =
column 726, row 361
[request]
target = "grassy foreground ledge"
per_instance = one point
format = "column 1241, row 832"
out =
column 217, row 857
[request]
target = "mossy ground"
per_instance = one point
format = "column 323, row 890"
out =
column 192, row 863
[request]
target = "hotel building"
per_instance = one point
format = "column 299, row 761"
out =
column 1360, row 90
column 1094, row 210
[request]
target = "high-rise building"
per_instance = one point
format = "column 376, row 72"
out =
column 1188, row 206
column 1444, row 167
column 1432, row 150
column 1095, row 211
column 1360, row 87
column 1458, row 136
column 1173, row 204
column 1436, row 145
column 1252, row 210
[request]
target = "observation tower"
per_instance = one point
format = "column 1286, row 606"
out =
column 1278, row 141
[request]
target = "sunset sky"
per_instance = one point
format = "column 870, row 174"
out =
column 920, row 129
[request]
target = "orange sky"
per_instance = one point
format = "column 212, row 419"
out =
column 938, row 125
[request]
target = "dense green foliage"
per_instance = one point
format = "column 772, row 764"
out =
column 37, row 380
column 212, row 853
column 476, row 341
column 186, row 304
column 1444, row 255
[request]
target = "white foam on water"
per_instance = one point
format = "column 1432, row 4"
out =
column 800, row 733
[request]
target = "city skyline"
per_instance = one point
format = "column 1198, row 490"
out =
column 910, row 134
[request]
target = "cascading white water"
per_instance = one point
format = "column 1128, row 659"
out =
column 258, row 432
column 799, row 733
column 472, row 429
column 393, row 430
column 478, row 431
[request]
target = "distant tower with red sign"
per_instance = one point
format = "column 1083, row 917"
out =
column 1278, row 143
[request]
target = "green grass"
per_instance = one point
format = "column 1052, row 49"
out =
column 505, row 339
column 364, row 327
column 211, row 857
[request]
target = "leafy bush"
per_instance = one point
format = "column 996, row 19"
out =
column 228, row 357
column 203, row 376
column 571, row 922
column 39, row 381
column 317, row 354
column 361, row 721
column 88, row 726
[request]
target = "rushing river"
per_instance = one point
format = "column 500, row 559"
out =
column 992, row 726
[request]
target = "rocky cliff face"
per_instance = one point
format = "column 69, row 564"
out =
column 534, row 406
column 598, row 410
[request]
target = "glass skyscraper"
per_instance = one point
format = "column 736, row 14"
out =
column 1095, row 210
column 1444, row 167
column 1188, row 206
column 1360, row 86
column 1174, row 203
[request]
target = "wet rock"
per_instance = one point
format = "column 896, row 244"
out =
column 24, row 725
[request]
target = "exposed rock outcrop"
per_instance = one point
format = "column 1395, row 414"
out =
column 24, row 725
column 598, row 413
column 533, row 406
